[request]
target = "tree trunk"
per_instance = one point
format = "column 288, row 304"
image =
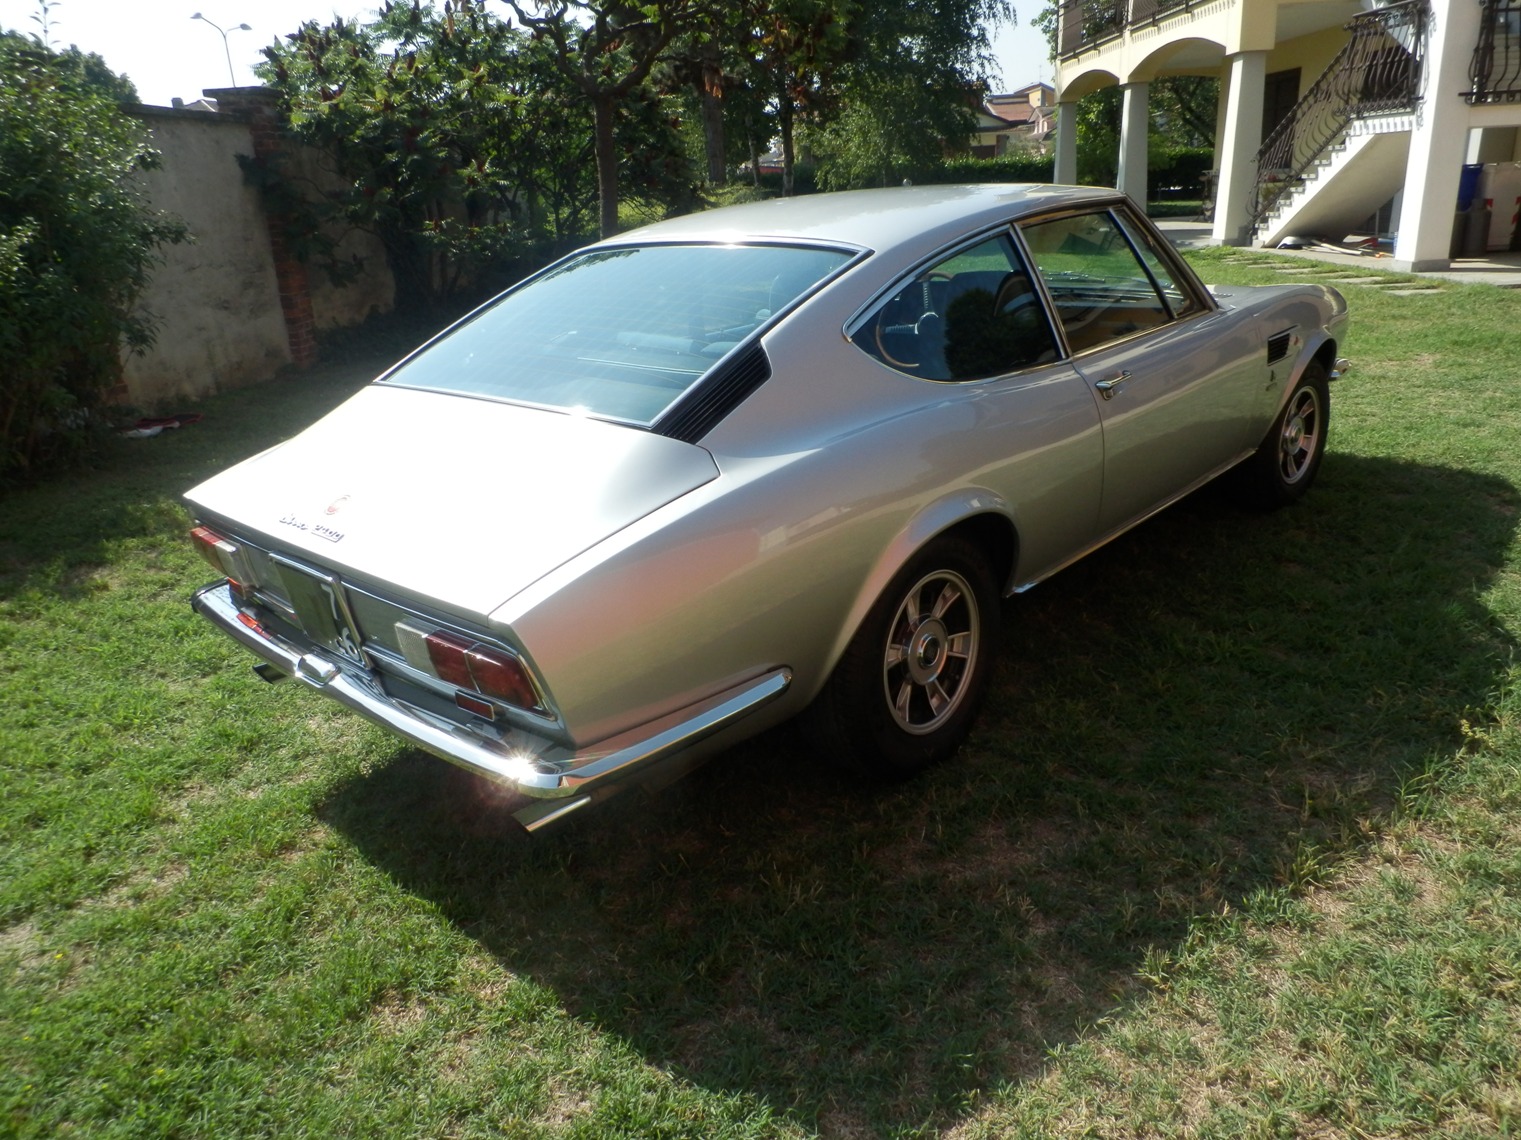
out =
column 713, row 113
column 607, row 163
column 411, row 271
column 787, row 153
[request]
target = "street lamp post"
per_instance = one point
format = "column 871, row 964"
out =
column 231, row 77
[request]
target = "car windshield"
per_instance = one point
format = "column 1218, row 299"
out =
column 619, row 333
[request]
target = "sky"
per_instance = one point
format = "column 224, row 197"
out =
column 166, row 53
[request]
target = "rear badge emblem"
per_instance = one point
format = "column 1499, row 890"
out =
column 337, row 505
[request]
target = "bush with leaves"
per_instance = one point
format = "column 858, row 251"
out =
column 413, row 115
column 77, row 245
column 1015, row 167
column 454, row 138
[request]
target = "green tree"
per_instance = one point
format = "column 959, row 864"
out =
column 909, row 88
column 795, row 50
column 606, row 49
column 698, row 66
column 422, row 116
column 1183, row 110
column 77, row 246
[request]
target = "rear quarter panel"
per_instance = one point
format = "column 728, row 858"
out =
column 832, row 474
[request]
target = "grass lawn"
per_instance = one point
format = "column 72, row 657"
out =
column 1234, row 851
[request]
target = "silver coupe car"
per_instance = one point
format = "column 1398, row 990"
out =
column 770, row 460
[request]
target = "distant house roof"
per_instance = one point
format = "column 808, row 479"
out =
column 1027, row 114
column 1027, row 105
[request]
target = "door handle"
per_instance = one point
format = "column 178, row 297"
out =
column 1106, row 387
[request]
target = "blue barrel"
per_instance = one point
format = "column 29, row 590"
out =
column 1468, row 184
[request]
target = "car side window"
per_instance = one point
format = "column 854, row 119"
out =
column 1100, row 290
column 970, row 316
column 1179, row 300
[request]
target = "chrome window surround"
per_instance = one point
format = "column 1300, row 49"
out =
column 1182, row 274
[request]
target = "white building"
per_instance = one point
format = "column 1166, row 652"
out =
column 1328, row 108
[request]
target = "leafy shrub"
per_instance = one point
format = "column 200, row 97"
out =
column 1178, row 172
column 76, row 247
column 1005, row 168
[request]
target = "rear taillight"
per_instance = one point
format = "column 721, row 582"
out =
column 467, row 664
column 502, row 676
column 225, row 557
column 449, row 657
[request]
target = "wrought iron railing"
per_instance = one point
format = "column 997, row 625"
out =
column 1378, row 72
column 1143, row 11
column 1088, row 23
column 1496, row 69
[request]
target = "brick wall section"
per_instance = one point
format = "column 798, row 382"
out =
column 258, row 106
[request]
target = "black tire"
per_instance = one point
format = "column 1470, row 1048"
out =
column 1289, row 456
column 905, row 693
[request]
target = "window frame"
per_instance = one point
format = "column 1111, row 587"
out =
column 1182, row 274
column 1007, row 230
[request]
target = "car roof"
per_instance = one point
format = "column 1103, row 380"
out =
column 870, row 219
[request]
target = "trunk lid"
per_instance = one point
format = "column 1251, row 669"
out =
column 460, row 501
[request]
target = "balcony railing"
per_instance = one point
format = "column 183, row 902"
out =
column 1379, row 72
column 1088, row 23
column 1495, row 74
column 1144, row 11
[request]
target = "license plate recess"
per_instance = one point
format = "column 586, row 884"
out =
column 322, row 606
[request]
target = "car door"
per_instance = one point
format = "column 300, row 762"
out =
column 1014, row 412
column 1173, row 393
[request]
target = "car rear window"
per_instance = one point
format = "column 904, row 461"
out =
column 619, row 333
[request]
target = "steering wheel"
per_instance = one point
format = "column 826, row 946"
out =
column 922, row 324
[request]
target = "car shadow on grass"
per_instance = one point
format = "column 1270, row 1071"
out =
column 1212, row 707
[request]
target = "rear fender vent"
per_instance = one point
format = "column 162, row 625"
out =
column 1278, row 345
column 719, row 394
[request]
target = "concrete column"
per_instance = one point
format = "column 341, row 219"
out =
column 1242, row 138
column 1222, row 104
column 1439, row 141
column 1134, row 124
column 1066, row 144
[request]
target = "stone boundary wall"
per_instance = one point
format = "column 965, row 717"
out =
column 233, row 306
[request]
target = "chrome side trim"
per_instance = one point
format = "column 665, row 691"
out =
column 538, row 769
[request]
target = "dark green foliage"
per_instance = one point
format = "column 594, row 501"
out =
column 867, row 94
column 604, row 51
column 805, row 180
column 907, row 89
column 1183, row 109
column 412, row 112
column 1176, row 165
column 76, row 247
column 1178, row 171
column 453, row 138
column 1005, row 168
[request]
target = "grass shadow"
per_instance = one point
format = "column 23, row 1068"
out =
column 55, row 532
column 1212, row 706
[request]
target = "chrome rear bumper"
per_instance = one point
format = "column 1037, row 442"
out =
column 553, row 781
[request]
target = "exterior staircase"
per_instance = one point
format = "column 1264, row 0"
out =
column 1349, row 179
column 1340, row 153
